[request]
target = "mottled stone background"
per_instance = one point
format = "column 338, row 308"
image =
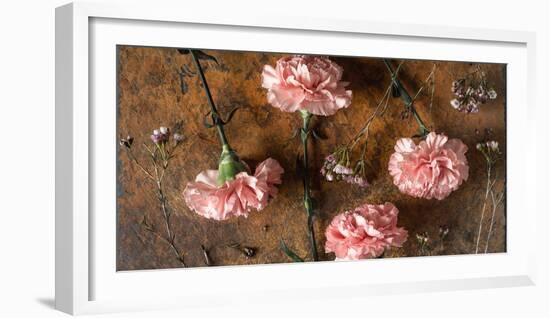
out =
column 151, row 94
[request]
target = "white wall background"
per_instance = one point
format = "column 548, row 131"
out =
column 27, row 158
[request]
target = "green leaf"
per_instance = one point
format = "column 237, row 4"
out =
column 290, row 253
column 233, row 111
column 205, row 121
column 316, row 135
column 200, row 55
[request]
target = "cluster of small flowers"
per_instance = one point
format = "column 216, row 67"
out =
column 333, row 170
column 127, row 142
column 162, row 135
column 422, row 238
column 489, row 149
column 468, row 99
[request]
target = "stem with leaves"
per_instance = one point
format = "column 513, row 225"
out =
column 408, row 100
column 216, row 119
column 230, row 164
column 308, row 202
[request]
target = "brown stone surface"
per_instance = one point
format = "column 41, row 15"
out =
column 150, row 95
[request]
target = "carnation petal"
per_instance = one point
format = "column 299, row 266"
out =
column 269, row 77
column 235, row 197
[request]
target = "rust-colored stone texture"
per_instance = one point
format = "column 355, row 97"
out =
column 151, row 93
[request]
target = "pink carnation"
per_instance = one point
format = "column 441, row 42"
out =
column 235, row 197
column 432, row 169
column 365, row 232
column 306, row 83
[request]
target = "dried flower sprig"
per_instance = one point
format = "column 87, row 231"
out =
column 471, row 91
column 422, row 240
column 165, row 145
column 491, row 152
column 428, row 246
column 338, row 165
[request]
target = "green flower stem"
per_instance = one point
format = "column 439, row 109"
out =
column 308, row 202
column 216, row 119
column 407, row 99
column 230, row 164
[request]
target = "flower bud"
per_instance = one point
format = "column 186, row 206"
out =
column 230, row 165
column 455, row 103
column 178, row 137
column 493, row 145
column 479, row 146
column 492, row 94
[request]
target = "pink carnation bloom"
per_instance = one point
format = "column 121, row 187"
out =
column 432, row 169
column 365, row 232
column 235, row 197
column 306, row 83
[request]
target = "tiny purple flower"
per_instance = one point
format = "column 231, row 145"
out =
column 492, row 94
column 455, row 103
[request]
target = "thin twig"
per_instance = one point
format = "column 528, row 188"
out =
column 407, row 99
column 496, row 202
column 134, row 159
column 487, row 191
column 429, row 78
column 377, row 112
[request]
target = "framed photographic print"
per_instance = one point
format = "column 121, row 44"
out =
column 229, row 152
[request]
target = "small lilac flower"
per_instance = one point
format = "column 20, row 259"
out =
column 479, row 146
column 156, row 138
column 493, row 145
column 348, row 178
column 343, row 170
column 455, row 103
column 492, row 94
column 490, row 150
column 336, row 168
column 470, row 96
column 360, row 181
column 178, row 137
column 160, row 135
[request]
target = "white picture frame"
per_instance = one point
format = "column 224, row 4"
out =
column 86, row 279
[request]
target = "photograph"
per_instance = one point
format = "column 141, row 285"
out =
column 246, row 158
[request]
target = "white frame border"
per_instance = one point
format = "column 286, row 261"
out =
column 72, row 127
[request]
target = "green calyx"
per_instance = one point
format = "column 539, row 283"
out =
column 230, row 165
